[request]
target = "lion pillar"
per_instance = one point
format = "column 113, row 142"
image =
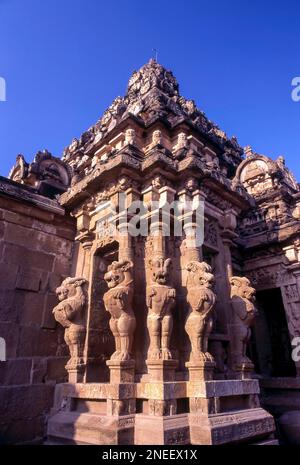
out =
column 160, row 298
column 118, row 302
column 243, row 314
column 71, row 314
column 198, row 326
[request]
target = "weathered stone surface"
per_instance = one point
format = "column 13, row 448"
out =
column 15, row 255
column 15, row 371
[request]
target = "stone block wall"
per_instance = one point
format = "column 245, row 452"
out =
column 36, row 244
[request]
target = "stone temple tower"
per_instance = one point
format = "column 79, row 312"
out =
column 157, row 321
column 151, row 278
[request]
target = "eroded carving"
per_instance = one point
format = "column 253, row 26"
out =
column 118, row 302
column 70, row 313
column 160, row 301
column 244, row 312
column 201, row 300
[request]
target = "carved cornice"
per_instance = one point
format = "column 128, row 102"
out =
column 29, row 195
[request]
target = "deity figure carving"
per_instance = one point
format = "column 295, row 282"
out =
column 158, row 181
column 118, row 302
column 129, row 136
column 191, row 184
column 70, row 313
column 244, row 312
column 156, row 138
column 201, row 300
column 160, row 301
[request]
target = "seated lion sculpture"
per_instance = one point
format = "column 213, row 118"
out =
column 70, row 313
column 118, row 302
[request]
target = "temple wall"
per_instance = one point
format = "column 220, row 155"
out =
column 36, row 241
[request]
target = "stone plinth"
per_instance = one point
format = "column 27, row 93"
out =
column 85, row 428
column 250, row 426
column 224, row 412
column 168, row 430
column 76, row 375
column 194, row 412
column 243, row 371
column 161, row 370
column 95, row 413
column 202, row 370
column 121, row 371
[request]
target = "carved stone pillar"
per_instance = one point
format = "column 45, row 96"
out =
column 244, row 312
column 160, row 302
column 70, row 313
column 201, row 300
column 125, row 242
column 192, row 218
column 118, row 302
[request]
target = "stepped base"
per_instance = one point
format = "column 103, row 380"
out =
column 86, row 428
column 161, row 413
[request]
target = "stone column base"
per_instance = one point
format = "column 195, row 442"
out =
column 76, row 375
column 121, row 371
column 161, row 370
column 156, row 430
column 202, row 370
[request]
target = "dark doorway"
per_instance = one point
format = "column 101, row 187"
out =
column 270, row 346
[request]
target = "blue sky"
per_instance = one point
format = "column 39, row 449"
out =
column 64, row 61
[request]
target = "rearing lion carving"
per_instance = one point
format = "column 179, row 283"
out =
column 160, row 301
column 244, row 312
column 70, row 313
column 118, row 302
column 201, row 300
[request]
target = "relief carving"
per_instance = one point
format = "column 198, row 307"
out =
column 160, row 301
column 201, row 300
column 70, row 313
column 118, row 302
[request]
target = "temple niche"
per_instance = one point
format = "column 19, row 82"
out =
column 177, row 230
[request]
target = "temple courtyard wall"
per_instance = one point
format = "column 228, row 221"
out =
column 36, row 241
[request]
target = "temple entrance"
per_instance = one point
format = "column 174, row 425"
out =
column 270, row 346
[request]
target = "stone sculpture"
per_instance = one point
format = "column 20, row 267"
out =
column 160, row 301
column 244, row 312
column 201, row 300
column 70, row 313
column 118, row 302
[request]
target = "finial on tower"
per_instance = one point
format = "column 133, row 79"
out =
column 155, row 54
